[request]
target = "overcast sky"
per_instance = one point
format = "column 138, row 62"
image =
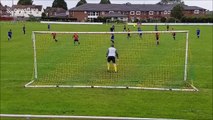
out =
column 207, row 4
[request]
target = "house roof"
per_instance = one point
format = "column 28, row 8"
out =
column 39, row 7
column 56, row 10
column 129, row 7
column 2, row 8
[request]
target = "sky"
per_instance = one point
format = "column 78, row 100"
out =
column 207, row 4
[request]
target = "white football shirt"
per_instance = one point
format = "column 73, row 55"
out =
column 112, row 51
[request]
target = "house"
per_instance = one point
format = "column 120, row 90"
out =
column 4, row 12
column 56, row 12
column 129, row 12
column 27, row 10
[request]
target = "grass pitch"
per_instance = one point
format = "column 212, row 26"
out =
column 142, row 63
column 17, row 69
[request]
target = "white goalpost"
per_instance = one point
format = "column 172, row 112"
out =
column 153, row 67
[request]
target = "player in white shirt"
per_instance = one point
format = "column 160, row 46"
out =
column 111, row 56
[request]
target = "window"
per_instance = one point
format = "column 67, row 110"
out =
column 169, row 12
column 138, row 12
column 157, row 13
column 165, row 12
column 196, row 11
column 132, row 12
column 85, row 12
column 93, row 13
column 151, row 12
column 111, row 11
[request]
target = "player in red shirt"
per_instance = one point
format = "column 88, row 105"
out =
column 76, row 38
column 54, row 37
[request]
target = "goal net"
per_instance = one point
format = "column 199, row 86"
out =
column 143, row 64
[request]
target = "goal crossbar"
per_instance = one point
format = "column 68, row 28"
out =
column 133, row 32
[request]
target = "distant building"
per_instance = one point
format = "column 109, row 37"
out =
column 4, row 11
column 56, row 12
column 129, row 12
column 27, row 10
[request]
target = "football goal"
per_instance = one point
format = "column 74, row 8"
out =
column 142, row 64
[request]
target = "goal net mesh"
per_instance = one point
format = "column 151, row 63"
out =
column 141, row 63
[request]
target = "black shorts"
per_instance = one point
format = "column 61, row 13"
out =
column 111, row 58
column 76, row 40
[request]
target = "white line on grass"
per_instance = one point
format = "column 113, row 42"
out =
column 80, row 117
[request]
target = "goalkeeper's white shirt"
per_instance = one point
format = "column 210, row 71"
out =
column 112, row 51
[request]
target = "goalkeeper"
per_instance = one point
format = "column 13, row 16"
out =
column 111, row 56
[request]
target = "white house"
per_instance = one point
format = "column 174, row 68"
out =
column 27, row 10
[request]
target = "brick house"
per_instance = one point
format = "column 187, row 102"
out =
column 56, row 12
column 4, row 12
column 129, row 12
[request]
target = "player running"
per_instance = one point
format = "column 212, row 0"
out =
column 157, row 38
column 140, row 32
column 48, row 26
column 113, row 38
column 156, row 27
column 173, row 34
column 111, row 56
column 9, row 34
column 124, row 28
column 24, row 29
column 54, row 37
column 128, row 34
column 198, row 33
column 112, row 29
column 76, row 38
column 167, row 27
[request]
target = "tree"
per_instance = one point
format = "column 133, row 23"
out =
column 81, row 2
column 171, row 2
column 25, row 2
column 177, row 11
column 43, row 15
column 60, row 4
column 105, row 2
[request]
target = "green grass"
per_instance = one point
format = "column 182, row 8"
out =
column 142, row 63
column 17, row 70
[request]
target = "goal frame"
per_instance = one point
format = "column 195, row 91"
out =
column 29, row 85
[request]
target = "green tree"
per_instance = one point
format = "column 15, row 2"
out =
column 105, row 2
column 171, row 2
column 177, row 11
column 25, row 2
column 81, row 2
column 60, row 4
